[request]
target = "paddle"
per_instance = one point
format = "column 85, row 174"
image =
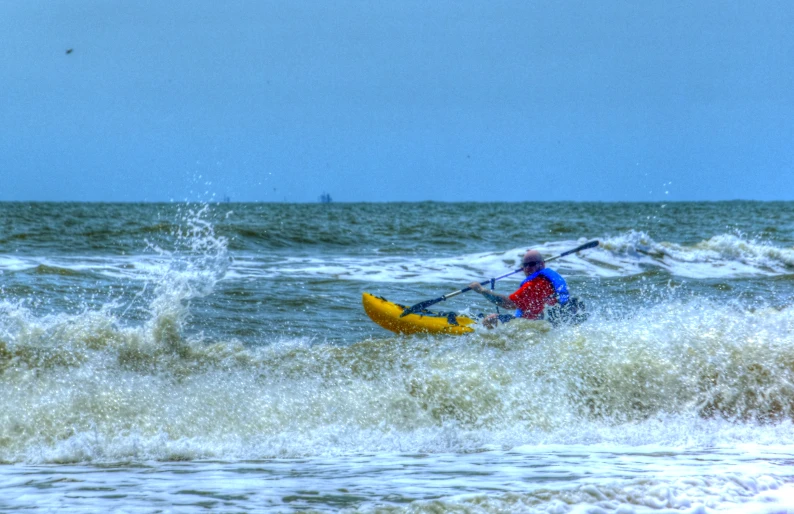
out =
column 427, row 303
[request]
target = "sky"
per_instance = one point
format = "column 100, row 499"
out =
column 366, row 100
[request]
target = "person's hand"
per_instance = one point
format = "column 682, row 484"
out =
column 476, row 287
column 490, row 321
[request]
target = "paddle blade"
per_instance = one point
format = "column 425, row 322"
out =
column 590, row 244
column 421, row 306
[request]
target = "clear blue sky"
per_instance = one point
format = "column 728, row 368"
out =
column 396, row 101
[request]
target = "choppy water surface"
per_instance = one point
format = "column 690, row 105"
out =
column 184, row 357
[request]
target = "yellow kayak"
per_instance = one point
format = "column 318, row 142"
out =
column 387, row 315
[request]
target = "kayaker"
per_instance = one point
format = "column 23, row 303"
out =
column 543, row 288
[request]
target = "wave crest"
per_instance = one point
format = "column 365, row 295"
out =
column 78, row 386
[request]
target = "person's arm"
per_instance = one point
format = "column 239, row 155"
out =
column 499, row 299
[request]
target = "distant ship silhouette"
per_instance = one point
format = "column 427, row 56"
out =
column 325, row 198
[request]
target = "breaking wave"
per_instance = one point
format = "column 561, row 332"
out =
column 87, row 388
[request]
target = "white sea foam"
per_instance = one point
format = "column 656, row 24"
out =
column 543, row 480
column 87, row 387
column 83, row 387
column 674, row 406
column 722, row 256
column 611, row 416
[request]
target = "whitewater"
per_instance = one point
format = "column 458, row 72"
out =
column 172, row 357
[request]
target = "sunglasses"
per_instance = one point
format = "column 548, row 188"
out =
column 529, row 264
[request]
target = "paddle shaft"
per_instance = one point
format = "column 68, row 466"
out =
column 427, row 303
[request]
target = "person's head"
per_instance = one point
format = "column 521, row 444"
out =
column 532, row 262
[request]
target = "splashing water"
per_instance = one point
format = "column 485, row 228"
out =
column 265, row 365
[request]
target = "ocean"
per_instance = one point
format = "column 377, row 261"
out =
column 216, row 357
